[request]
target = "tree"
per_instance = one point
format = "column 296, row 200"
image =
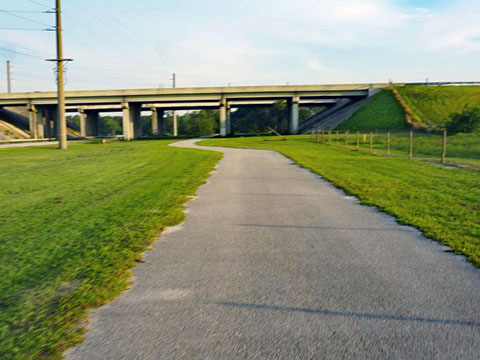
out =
column 465, row 122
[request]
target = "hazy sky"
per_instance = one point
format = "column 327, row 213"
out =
column 140, row 43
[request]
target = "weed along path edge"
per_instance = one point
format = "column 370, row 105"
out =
column 273, row 261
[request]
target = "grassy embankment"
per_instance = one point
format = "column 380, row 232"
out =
column 382, row 112
column 72, row 223
column 444, row 203
column 431, row 106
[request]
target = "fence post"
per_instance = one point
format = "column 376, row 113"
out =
column 336, row 136
column 371, row 143
column 346, row 137
column 444, row 146
column 388, row 144
column 329, row 136
column 410, row 146
column 358, row 141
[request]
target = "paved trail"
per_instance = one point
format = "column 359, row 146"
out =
column 273, row 262
column 27, row 144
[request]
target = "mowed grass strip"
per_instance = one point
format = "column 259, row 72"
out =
column 462, row 149
column 443, row 203
column 71, row 225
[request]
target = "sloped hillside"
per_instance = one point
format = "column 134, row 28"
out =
column 382, row 112
column 432, row 105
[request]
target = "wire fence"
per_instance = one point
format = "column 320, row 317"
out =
column 463, row 150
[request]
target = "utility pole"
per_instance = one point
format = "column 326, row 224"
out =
column 175, row 122
column 62, row 122
column 9, row 78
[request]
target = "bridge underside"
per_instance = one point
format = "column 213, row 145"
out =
column 43, row 109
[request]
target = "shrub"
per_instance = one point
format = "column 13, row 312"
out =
column 465, row 122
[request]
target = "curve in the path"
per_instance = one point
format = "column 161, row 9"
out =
column 274, row 262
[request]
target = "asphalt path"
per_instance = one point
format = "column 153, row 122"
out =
column 27, row 144
column 273, row 262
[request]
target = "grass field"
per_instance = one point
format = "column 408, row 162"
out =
column 434, row 104
column 462, row 149
column 72, row 223
column 443, row 203
column 382, row 112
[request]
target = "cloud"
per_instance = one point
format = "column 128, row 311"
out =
column 261, row 42
column 315, row 64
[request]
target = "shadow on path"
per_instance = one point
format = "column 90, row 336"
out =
column 351, row 314
column 321, row 228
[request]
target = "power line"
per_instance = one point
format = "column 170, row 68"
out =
column 29, row 11
column 23, row 47
column 96, row 34
column 170, row 61
column 36, row 2
column 24, row 18
column 29, row 29
column 21, row 53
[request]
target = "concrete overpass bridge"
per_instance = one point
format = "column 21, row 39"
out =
column 42, row 106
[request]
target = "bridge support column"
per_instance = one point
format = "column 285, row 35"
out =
column 158, row 122
column 293, row 110
column 92, row 122
column 136, row 120
column 161, row 121
column 41, row 123
column 127, row 128
column 51, row 115
column 154, row 121
column 32, row 121
column 83, row 123
column 223, row 117
column 229, row 120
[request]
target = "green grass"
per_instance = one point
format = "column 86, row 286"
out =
column 434, row 104
column 443, row 203
column 382, row 112
column 462, row 149
column 72, row 223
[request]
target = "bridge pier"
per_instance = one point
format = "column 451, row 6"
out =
column 293, row 111
column 41, row 123
column 92, row 122
column 83, row 123
column 154, row 121
column 229, row 120
column 127, row 128
column 136, row 120
column 223, row 117
column 158, row 121
column 51, row 121
column 132, row 121
column 32, row 121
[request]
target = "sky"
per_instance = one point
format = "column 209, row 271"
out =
column 139, row 44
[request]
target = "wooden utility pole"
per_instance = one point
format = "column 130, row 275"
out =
column 388, row 144
column 444, row 146
column 9, row 78
column 410, row 145
column 370, row 149
column 62, row 122
column 175, row 120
